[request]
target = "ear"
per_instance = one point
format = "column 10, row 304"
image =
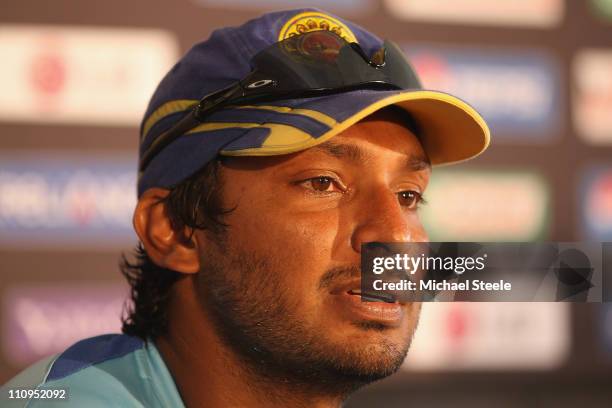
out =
column 166, row 247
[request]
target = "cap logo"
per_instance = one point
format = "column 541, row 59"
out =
column 315, row 21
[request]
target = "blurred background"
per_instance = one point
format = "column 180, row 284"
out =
column 75, row 79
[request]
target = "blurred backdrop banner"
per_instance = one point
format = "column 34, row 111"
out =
column 75, row 80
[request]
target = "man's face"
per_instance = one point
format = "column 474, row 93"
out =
column 279, row 282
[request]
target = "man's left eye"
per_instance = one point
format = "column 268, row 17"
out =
column 410, row 199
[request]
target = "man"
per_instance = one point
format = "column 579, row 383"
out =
column 269, row 154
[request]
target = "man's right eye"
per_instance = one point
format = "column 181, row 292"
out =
column 322, row 184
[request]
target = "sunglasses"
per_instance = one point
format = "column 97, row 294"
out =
column 311, row 64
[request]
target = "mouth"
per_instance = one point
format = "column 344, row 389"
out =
column 357, row 305
column 373, row 296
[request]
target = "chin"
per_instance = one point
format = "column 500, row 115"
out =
column 371, row 357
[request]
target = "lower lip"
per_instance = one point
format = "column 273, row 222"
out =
column 390, row 314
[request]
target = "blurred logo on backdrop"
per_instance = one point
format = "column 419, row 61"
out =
column 346, row 7
column 603, row 8
column 596, row 204
column 592, row 95
column 84, row 75
column 67, row 200
column 606, row 326
column 517, row 91
column 492, row 336
column 39, row 321
column 519, row 13
column 486, row 205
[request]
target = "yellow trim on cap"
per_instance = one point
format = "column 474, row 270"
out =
column 221, row 125
column 183, row 104
column 277, row 149
column 279, row 137
column 313, row 114
column 166, row 109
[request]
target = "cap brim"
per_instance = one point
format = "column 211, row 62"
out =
column 452, row 131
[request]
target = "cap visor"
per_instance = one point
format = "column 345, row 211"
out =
column 452, row 131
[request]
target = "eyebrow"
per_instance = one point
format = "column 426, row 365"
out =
column 358, row 155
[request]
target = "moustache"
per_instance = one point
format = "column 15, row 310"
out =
column 338, row 273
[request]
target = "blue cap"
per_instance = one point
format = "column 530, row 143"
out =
column 451, row 130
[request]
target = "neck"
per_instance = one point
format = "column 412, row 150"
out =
column 209, row 374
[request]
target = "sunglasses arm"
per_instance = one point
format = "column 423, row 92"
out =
column 205, row 107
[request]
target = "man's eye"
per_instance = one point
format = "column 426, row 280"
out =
column 410, row 199
column 324, row 184
column 321, row 183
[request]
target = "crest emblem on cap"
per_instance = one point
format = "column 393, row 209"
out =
column 315, row 21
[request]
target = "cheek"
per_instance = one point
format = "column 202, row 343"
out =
column 300, row 244
column 417, row 229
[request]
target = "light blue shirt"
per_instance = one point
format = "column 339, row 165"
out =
column 111, row 370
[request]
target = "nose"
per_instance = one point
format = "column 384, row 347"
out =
column 383, row 219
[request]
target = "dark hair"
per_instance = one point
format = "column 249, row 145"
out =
column 406, row 117
column 194, row 203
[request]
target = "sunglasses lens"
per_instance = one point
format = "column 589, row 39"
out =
column 398, row 69
column 378, row 58
column 321, row 46
column 322, row 60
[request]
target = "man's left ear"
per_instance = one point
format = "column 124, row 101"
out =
column 165, row 246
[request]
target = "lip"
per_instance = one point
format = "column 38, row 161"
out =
column 351, row 306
